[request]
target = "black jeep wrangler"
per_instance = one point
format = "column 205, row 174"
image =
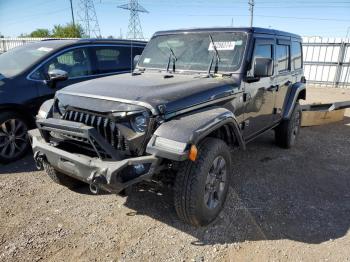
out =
column 194, row 95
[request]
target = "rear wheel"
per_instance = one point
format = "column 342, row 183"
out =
column 201, row 187
column 14, row 142
column 288, row 130
column 61, row 178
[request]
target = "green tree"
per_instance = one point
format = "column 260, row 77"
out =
column 40, row 33
column 67, row 31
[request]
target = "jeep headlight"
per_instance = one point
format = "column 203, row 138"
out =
column 61, row 108
column 45, row 110
column 139, row 122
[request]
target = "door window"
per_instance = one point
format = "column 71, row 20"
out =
column 296, row 55
column 75, row 62
column 282, row 55
column 263, row 51
column 113, row 59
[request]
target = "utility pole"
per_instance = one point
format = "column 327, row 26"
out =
column 134, row 28
column 71, row 8
column 251, row 9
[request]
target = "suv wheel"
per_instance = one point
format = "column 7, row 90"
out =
column 201, row 187
column 14, row 142
column 288, row 130
column 61, row 178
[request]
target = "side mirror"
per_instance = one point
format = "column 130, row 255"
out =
column 136, row 60
column 263, row 67
column 57, row 75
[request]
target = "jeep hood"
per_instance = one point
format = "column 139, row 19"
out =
column 151, row 90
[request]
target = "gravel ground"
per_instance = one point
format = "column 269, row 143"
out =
column 283, row 205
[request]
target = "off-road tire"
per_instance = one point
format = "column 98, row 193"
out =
column 191, row 183
column 19, row 135
column 61, row 178
column 287, row 131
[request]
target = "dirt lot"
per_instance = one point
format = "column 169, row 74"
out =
column 283, row 205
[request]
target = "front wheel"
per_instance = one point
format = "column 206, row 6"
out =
column 201, row 187
column 14, row 142
column 287, row 131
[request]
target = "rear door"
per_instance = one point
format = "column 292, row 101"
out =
column 115, row 59
column 284, row 78
column 260, row 95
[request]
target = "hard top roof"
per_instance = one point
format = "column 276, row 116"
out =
column 229, row 29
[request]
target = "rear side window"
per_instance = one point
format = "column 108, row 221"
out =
column 296, row 60
column 282, row 56
column 113, row 59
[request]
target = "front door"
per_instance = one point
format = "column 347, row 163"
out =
column 260, row 95
column 76, row 62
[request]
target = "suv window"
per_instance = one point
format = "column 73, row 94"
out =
column 75, row 62
column 263, row 51
column 296, row 60
column 282, row 55
column 113, row 59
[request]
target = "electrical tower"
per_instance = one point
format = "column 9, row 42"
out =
column 88, row 19
column 251, row 9
column 134, row 28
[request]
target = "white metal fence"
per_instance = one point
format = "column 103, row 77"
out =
column 9, row 43
column 326, row 60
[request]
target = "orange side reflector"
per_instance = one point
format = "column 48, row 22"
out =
column 192, row 155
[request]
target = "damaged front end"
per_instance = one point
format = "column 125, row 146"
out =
column 103, row 149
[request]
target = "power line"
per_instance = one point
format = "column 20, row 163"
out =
column 134, row 28
column 88, row 19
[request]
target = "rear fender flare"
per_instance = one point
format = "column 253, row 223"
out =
column 297, row 91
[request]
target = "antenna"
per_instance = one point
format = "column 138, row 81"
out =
column 251, row 9
column 88, row 18
column 134, row 28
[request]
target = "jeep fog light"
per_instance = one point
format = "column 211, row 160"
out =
column 170, row 145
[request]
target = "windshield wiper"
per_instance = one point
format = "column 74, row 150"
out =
column 172, row 57
column 216, row 55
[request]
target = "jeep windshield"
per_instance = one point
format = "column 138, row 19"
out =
column 194, row 51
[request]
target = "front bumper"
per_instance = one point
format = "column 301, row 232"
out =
column 107, row 175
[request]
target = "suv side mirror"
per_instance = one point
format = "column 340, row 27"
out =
column 57, row 75
column 136, row 60
column 263, row 67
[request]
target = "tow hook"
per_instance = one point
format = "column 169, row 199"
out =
column 39, row 159
column 97, row 180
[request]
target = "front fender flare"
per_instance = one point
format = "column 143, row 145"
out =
column 190, row 129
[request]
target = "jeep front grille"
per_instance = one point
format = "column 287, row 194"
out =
column 105, row 126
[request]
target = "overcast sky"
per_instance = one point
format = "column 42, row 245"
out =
column 308, row 18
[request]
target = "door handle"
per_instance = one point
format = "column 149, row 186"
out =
column 272, row 88
column 288, row 83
